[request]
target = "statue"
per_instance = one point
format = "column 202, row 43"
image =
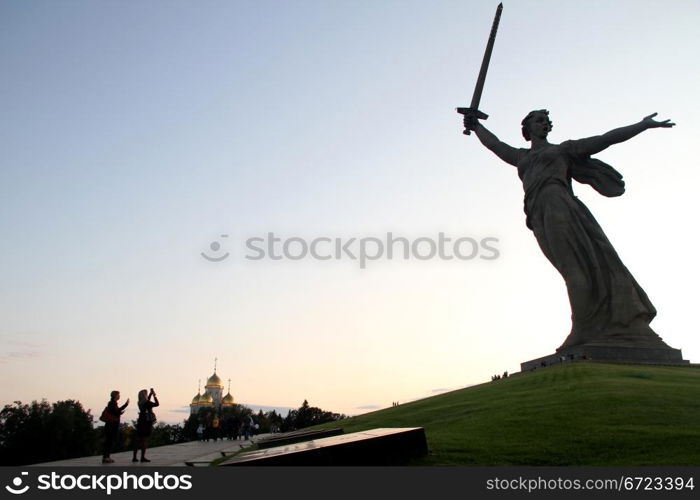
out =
column 610, row 313
column 607, row 304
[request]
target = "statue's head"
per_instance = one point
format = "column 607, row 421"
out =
column 539, row 117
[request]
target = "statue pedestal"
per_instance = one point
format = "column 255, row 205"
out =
column 605, row 352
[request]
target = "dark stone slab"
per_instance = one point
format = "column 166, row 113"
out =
column 297, row 437
column 610, row 353
column 384, row 446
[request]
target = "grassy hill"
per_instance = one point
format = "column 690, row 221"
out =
column 572, row 414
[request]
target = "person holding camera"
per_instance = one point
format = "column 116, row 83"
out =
column 144, row 424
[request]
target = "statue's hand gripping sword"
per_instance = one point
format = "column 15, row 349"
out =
column 473, row 109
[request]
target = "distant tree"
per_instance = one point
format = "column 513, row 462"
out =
column 307, row 416
column 167, row 434
column 304, row 416
column 19, row 424
column 230, row 419
column 270, row 421
column 288, row 424
column 70, row 431
column 41, row 432
column 274, row 420
column 189, row 427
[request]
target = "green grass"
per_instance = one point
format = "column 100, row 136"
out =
column 572, row 414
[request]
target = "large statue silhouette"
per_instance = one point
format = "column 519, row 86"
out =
column 608, row 307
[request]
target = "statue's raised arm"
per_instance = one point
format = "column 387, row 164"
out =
column 596, row 144
column 505, row 152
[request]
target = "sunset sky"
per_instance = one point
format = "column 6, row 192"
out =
column 135, row 134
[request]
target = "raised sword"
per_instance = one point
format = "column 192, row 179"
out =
column 473, row 108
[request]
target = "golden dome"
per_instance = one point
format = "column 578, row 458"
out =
column 214, row 381
column 228, row 400
column 206, row 399
column 195, row 400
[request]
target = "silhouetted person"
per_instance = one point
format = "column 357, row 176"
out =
column 215, row 427
column 229, row 427
column 207, row 428
column 247, row 427
column 112, row 426
column 144, row 424
column 607, row 304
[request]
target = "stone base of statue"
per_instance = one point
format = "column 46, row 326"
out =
column 623, row 352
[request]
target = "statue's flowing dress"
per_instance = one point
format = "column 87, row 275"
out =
column 607, row 305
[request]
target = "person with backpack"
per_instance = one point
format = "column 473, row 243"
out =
column 145, row 422
column 110, row 416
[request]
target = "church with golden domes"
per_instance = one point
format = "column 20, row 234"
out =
column 212, row 397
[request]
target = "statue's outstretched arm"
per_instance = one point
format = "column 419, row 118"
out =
column 505, row 152
column 593, row 145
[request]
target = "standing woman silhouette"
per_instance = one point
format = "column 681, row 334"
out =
column 144, row 424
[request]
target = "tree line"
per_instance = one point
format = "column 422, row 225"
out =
column 44, row 432
column 233, row 420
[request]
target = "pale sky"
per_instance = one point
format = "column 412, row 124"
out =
column 135, row 134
